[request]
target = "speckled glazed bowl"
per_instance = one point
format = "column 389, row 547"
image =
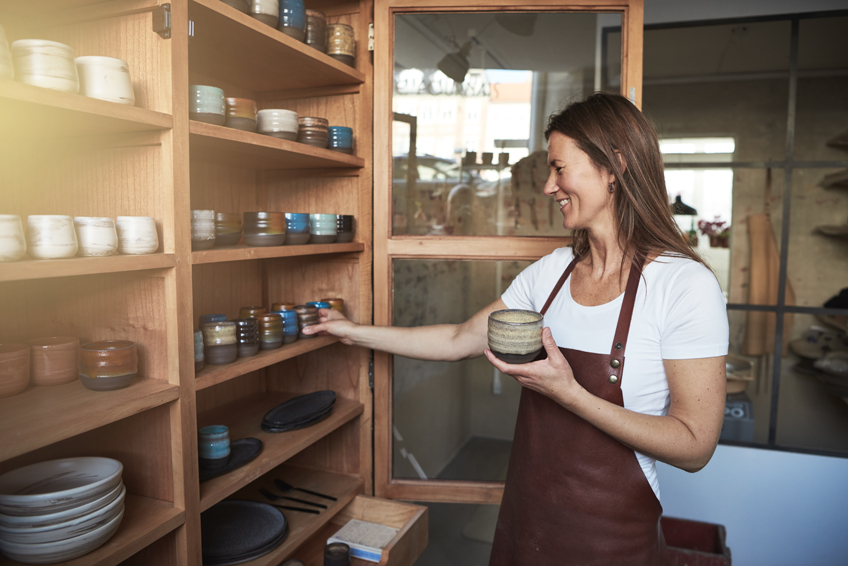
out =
column 515, row 336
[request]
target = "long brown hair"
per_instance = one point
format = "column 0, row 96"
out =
column 602, row 125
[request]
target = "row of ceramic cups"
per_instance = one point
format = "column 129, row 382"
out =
column 220, row 341
column 210, row 228
column 103, row 365
column 50, row 64
column 52, row 236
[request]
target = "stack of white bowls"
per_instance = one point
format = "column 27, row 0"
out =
column 105, row 78
column 7, row 69
column 47, row 64
column 322, row 228
column 60, row 509
column 278, row 123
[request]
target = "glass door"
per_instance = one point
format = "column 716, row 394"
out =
column 462, row 93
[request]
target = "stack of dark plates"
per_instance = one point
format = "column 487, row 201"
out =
column 299, row 412
column 236, row 531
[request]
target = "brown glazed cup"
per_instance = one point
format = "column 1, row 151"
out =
column 227, row 228
column 515, row 336
column 270, row 331
column 108, row 364
column 284, row 306
column 264, row 228
column 220, row 342
column 54, row 360
column 337, row 304
column 251, row 312
column 14, row 369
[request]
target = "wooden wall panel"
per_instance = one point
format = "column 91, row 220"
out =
column 319, row 196
column 226, row 287
column 313, row 278
column 223, row 188
column 337, row 452
column 229, row 391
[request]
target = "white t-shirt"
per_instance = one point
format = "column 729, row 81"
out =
column 679, row 313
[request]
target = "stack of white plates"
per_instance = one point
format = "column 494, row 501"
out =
column 61, row 509
column 47, row 64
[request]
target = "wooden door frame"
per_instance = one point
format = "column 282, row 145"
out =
column 388, row 247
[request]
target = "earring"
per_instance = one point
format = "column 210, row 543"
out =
column 612, row 187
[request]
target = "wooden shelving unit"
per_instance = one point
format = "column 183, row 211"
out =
column 67, row 154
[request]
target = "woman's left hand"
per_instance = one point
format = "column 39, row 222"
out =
column 552, row 377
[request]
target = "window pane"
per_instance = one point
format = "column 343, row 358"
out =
column 472, row 94
column 452, row 420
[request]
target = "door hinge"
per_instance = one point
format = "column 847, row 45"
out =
column 370, row 37
column 162, row 21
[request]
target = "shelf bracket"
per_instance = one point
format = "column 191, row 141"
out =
column 162, row 21
column 370, row 37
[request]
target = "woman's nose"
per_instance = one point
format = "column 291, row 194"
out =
column 550, row 185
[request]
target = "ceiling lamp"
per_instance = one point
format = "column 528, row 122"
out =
column 455, row 65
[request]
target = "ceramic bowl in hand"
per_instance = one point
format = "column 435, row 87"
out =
column 515, row 336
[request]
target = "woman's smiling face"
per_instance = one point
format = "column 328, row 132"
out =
column 581, row 191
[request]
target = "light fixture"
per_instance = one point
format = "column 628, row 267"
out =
column 455, row 65
column 678, row 207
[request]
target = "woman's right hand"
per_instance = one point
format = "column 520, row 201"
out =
column 331, row 321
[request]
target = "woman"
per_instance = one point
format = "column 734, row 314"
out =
column 581, row 486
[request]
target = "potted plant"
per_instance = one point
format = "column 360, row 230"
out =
column 718, row 231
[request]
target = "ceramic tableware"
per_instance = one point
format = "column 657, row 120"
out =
column 227, row 228
column 283, row 306
column 306, row 316
column 341, row 44
column 277, row 122
column 486, row 157
column 137, row 235
column 97, row 236
column 293, row 19
column 51, row 236
column 270, row 331
column 105, row 78
column 297, row 228
column 14, row 369
column 206, row 104
column 337, row 554
column 290, row 325
column 54, row 360
column 503, row 159
column 313, row 131
column 266, row 11
column 316, row 30
column 219, row 339
column 12, row 240
column 337, row 304
column 341, row 139
column 515, row 336
column 251, row 312
column 50, row 519
column 213, row 446
column 241, row 114
column 108, row 365
column 322, row 228
column 44, row 63
column 207, row 318
column 344, row 228
column 202, row 229
column 319, row 304
column 198, row 351
column 247, row 337
column 264, row 228
column 7, row 68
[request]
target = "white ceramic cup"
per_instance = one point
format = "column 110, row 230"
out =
column 105, row 78
column 51, row 236
column 7, row 69
column 12, row 241
column 202, row 229
column 266, row 11
column 46, row 64
column 274, row 121
column 96, row 235
column 137, row 235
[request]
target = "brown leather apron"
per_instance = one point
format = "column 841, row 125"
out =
column 575, row 495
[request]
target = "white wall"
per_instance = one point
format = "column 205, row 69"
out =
column 779, row 508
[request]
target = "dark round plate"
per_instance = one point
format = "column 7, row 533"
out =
column 296, row 426
column 300, row 409
column 242, row 451
column 237, row 528
column 248, row 556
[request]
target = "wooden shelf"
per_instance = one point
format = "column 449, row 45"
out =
column 34, row 111
column 302, row 526
column 240, row 253
column 243, row 419
column 234, row 47
column 43, row 415
column 49, row 268
column 213, row 375
column 145, row 521
column 257, row 151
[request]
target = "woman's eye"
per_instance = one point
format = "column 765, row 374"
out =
column 558, row 169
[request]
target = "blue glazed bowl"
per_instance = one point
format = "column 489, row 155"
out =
column 319, row 304
column 297, row 217
column 293, row 19
column 213, row 443
column 340, row 137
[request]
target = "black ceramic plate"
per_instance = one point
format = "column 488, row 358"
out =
column 307, row 418
column 248, row 556
column 236, row 528
column 242, row 451
column 318, row 418
column 300, row 409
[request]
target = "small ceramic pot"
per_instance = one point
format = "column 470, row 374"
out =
column 293, row 19
column 251, row 312
column 208, row 318
column 515, row 336
column 12, row 240
column 97, row 236
column 337, row 554
column 227, row 228
column 51, row 237
column 344, row 228
column 313, row 131
column 264, row 228
column 241, row 114
column 266, row 11
column 307, row 315
column 206, row 104
column 7, row 69
column 105, row 78
column 316, row 30
column 219, row 339
column 341, row 139
column 283, row 306
column 341, row 44
column 213, row 446
column 297, row 228
column 47, row 64
column 290, row 327
column 108, row 365
column 202, row 229
column 14, row 369
column 319, row 304
column 198, row 350
column 337, row 304
column 322, row 228
column 54, row 360
column 242, row 6
column 486, row 157
column 503, row 159
column 247, row 337
column 278, row 123
column 270, row 331
column 137, row 235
